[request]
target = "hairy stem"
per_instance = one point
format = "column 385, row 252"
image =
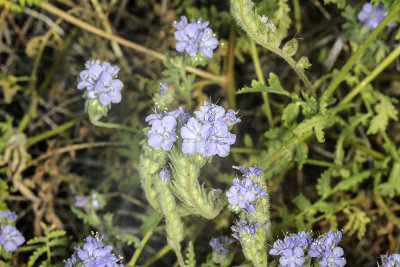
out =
column 260, row 77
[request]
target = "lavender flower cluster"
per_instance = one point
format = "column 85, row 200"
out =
column 324, row 248
column 10, row 237
column 391, row 260
column 207, row 133
column 92, row 254
column 96, row 201
column 194, row 36
column 99, row 81
column 245, row 192
column 371, row 16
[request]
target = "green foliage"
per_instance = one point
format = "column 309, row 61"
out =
column 316, row 123
column 190, row 256
column 392, row 187
column 46, row 245
column 18, row 5
column 353, row 181
column 358, row 221
column 385, row 111
column 274, row 87
column 324, row 183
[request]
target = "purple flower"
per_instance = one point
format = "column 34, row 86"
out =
column 71, row 261
column 181, row 24
column 162, row 134
column 250, row 171
column 188, row 39
column 200, row 23
column 100, row 81
column 94, row 253
column 210, row 113
column 390, row 261
column 89, row 76
column 164, row 173
column 9, row 215
column 323, row 243
column 162, row 87
column 240, row 196
column 220, row 244
column 80, row 201
column 194, row 36
column 10, row 238
column 280, row 246
column 333, row 258
column 160, row 115
column 242, row 225
column 292, row 257
column 108, row 89
column 207, row 43
column 303, row 239
column 95, row 203
column 371, row 16
column 194, row 136
column 243, row 192
column 219, row 140
column 230, row 118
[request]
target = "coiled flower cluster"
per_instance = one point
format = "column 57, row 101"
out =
column 194, row 36
column 324, row 248
column 10, row 237
column 100, row 81
column 206, row 133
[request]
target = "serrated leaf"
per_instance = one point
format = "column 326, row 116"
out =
column 35, row 255
column 274, row 87
column 190, row 260
column 56, row 233
column 37, row 240
column 85, row 218
column 324, row 183
column 302, row 202
column 129, row 239
column 290, row 113
column 353, row 181
column 57, row 242
column 316, row 123
column 385, row 110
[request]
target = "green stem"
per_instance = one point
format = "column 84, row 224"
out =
column 113, row 125
column 389, row 59
column 260, row 77
column 324, row 164
column 358, row 53
column 35, row 139
column 143, row 242
column 244, row 18
column 157, row 256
